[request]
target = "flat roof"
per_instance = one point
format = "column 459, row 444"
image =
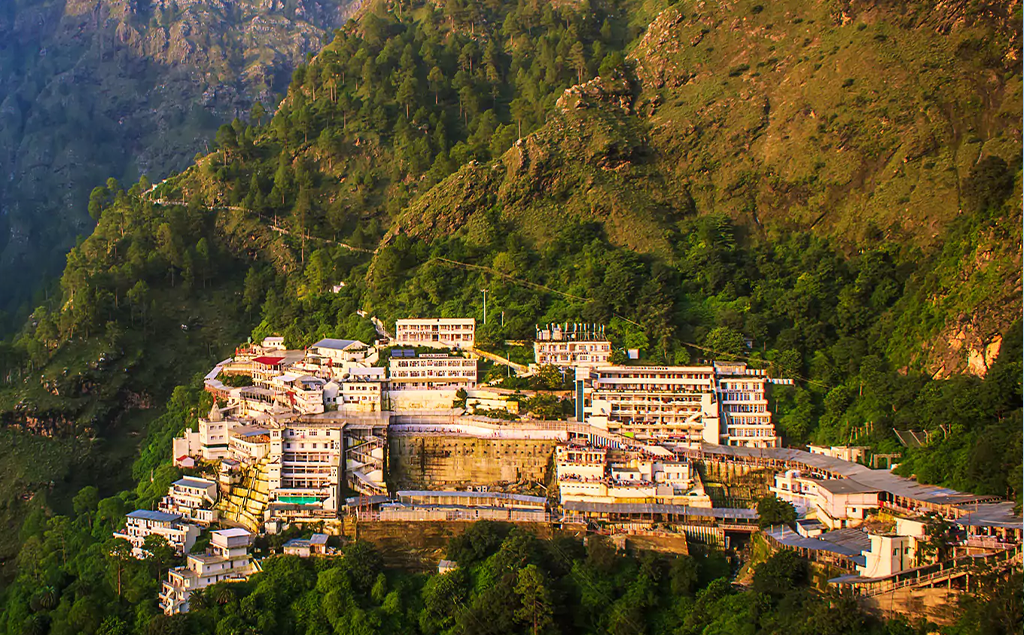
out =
column 233, row 532
column 191, row 481
column 991, row 515
column 338, row 345
column 843, row 544
column 436, row 320
column 376, row 499
column 540, row 500
column 843, row 486
column 249, row 431
column 734, row 513
column 882, row 480
column 148, row 514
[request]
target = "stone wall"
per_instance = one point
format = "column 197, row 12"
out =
column 443, row 462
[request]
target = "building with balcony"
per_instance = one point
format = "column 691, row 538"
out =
column 305, row 468
column 226, row 560
column 591, row 474
column 191, row 498
column 836, row 503
column 438, row 371
column 720, row 404
column 572, row 346
column 436, row 332
column 179, row 534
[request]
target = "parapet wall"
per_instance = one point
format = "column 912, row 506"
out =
column 457, row 462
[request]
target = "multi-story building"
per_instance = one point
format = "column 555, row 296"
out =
column 227, row 559
column 265, row 367
column 249, row 443
column 305, row 465
column 436, row 332
column 851, row 453
column 432, row 372
column 745, row 418
column 716, row 404
column 837, row 503
column 591, row 474
column 141, row 523
column 210, row 442
column 339, row 351
column 356, row 393
column 192, row 498
column 572, row 345
column 302, row 393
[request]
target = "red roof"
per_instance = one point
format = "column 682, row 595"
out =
column 269, row 361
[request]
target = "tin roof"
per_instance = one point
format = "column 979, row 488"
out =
column 147, row 514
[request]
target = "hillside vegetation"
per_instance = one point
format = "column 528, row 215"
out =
column 582, row 167
column 91, row 89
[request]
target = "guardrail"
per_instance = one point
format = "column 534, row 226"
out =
column 926, row 576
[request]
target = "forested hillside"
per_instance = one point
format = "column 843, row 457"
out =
column 92, row 89
column 582, row 166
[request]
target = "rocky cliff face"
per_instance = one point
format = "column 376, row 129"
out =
column 99, row 88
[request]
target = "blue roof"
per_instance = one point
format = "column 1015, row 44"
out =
column 318, row 539
column 340, row 345
column 146, row 514
column 297, row 542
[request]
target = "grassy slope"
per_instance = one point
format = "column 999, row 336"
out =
column 798, row 114
column 782, row 115
column 96, row 434
column 850, row 120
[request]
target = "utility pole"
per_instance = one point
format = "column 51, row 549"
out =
column 484, row 291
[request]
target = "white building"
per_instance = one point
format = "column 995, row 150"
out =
column 302, row 393
column 273, row 343
column 432, row 372
column 210, row 443
column 582, row 345
column 436, row 332
column 192, row 498
column 315, row 545
column 340, row 351
column 361, row 390
column 837, row 503
column 249, row 443
column 720, row 404
column 227, row 559
column 889, row 554
column 141, row 523
column 305, row 465
column 590, row 474
column 851, row 453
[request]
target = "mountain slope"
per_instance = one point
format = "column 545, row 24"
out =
column 431, row 152
column 112, row 88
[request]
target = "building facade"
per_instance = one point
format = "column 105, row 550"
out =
column 582, row 345
column 591, row 474
column 436, row 332
column 141, row 523
column 439, row 371
column 715, row 404
column 227, row 559
column 192, row 498
column 305, row 465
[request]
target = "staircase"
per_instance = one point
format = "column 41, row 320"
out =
column 360, row 462
column 246, row 503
